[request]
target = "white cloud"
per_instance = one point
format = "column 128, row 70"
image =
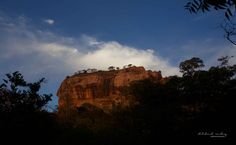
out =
column 41, row 52
column 103, row 55
column 116, row 54
column 49, row 21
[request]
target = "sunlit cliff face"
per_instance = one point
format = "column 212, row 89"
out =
column 103, row 89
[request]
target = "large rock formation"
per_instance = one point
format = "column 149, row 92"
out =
column 102, row 89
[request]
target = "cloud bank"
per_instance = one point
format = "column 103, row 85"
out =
column 23, row 47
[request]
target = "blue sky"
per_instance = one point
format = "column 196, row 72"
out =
column 55, row 38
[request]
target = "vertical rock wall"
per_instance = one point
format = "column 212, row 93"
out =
column 102, row 88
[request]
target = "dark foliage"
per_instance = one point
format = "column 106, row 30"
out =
column 227, row 6
column 16, row 95
column 188, row 67
column 206, row 5
column 185, row 106
column 178, row 107
column 22, row 118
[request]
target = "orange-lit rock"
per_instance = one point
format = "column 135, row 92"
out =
column 102, row 88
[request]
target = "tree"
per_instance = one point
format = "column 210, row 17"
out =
column 111, row 68
column 22, row 114
column 188, row 67
column 84, row 71
column 224, row 60
column 187, row 104
column 228, row 6
column 130, row 65
column 206, row 5
column 93, row 70
column 16, row 95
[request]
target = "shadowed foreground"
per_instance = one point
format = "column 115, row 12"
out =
column 197, row 105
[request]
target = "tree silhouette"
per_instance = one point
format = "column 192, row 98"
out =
column 183, row 106
column 188, row 67
column 16, row 95
column 22, row 114
column 130, row 65
column 110, row 68
column 206, row 5
column 224, row 60
column 228, row 6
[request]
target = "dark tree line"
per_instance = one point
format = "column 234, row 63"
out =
column 16, row 95
column 22, row 117
column 199, row 101
column 179, row 106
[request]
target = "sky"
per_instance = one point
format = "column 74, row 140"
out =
column 54, row 39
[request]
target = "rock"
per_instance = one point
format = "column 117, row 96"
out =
column 102, row 89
